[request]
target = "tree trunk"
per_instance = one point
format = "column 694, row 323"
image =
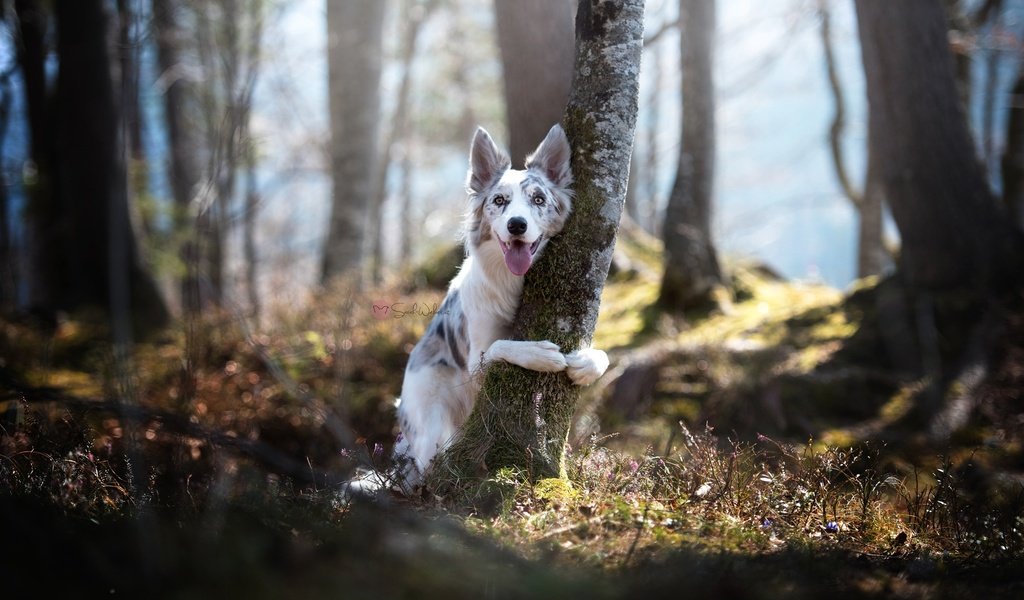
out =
column 1013, row 156
column 535, row 39
column 8, row 280
column 44, row 242
column 181, row 106
column 867, row 203
column 521, row 418
column 102, row 261
column 355, row 36
column 872, row 257
column 416, row 12
column 691, row 262
column 952, row 235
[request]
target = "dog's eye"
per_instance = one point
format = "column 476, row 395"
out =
column 500, row 200
column 539, row 199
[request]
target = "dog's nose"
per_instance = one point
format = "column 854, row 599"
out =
column 517, row 226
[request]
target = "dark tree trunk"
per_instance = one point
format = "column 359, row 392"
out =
column 691, row 263
column 536, row 42
column 102, row 265
column 521, row 418
column 952, row 235
column 45, row 246
column 8, row 273
column 1013, row 156
column 355, row 31
column 959, row 253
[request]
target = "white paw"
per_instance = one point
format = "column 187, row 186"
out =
column 539, row 356
column 585, row 366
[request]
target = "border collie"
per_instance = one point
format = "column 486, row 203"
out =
column 512, row 215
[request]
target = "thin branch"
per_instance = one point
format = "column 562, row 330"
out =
column 661, row 31
column 835, row 132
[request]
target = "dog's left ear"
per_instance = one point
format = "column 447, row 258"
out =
column 553, row 158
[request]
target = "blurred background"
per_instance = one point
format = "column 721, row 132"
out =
column 225, row 128
column 241, row 88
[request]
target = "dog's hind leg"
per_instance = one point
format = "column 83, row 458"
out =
column 435, row 402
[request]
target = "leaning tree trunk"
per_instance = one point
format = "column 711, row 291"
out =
column 691, row 262
column 521, row 418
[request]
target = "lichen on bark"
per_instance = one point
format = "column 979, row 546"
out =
column 522, row 418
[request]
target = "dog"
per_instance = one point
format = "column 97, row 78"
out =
column 512, row 215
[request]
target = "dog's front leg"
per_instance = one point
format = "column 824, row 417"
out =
column 585, row 366
column 536, row 356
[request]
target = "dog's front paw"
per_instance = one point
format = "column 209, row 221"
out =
column 584, row 367
column 541, row 356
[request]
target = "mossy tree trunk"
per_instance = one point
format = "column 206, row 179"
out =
column 521, row 418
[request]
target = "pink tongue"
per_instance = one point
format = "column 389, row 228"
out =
column 518, row 258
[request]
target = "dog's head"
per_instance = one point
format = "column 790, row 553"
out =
column 518, row 211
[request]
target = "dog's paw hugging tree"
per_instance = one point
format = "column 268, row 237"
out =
column 521, row 418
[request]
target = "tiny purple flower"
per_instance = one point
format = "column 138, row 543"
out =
column 766, row 523
column 378, row 451
column 633, row 466
column 832, row 527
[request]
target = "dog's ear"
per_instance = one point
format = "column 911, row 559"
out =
column 552, row 158
column 487, row 162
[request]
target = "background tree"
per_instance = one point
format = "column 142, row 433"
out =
column 958, row 249
column 355, row 34
column 181, row 123
column 86, row 254
column 414, row 13
column 691, row 263
column 868, row 201
column 952, row 234
column 536, row 42
column 521, row 418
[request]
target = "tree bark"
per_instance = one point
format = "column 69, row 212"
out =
column 952, row 235
column 691, row 263
column 355, row 38
column 536, row 43
column 521, row 418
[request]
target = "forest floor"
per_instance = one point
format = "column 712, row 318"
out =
column 784, row 444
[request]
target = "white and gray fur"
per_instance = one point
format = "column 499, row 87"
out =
column 507, row 208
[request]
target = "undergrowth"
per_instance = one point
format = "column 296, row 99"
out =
column 226, row 447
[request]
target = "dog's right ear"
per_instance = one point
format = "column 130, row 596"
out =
column 486, row 162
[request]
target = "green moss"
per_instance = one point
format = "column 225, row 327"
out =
column 555, row 491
